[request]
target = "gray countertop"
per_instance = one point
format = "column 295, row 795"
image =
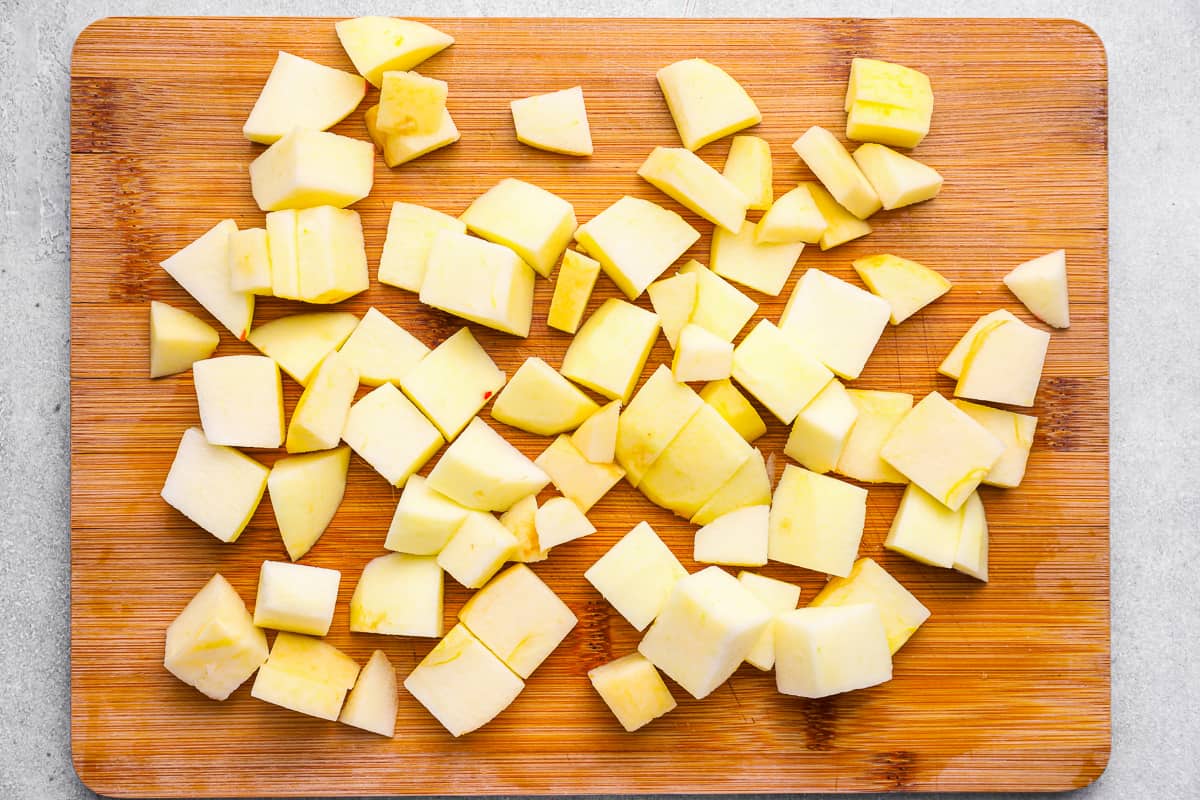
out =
column 1154, row 63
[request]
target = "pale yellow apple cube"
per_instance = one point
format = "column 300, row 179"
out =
column 673, row 299
column 705, row 101
column 477, row 550
column 720, row 306
column 281, row 227
column 202, row 269
column 178, row 339
column 306, row 491
column 400, row 148
column 536, row 224
column 410, row 103
column 399, row 595
column 821, row 151
column 738, row 538
column 816, row 521
column 887, row 103
column 424, row 520
column 610, row 350
column 782, row 376
column 1014, row 430
column 555, row 121
column 320, row 414
column 906, row 285
column 794, row 217
column 572, row 290
column 296, row 597
column 636, row 575
column 380, row 44
column 410, row 234
column 901, row 612
column 952, row 364
column 521, row 521
column 596, row 437
column 559, row 521
column 479, row 281
column 302, row 94
column 633, row 690
column 701, row 355
column 748, row 167
column 778, row 597
column 213, row 644
column 380, row 350
column 1041, row 284
column 391, row 434
column 971, row 556
column 688, row 179
column 299, row 343
column 735, row 408
column 829, row 650
column 240, row 400
column 482, row 471
column 706, row 453
column 749, row 486
column 635, row 241
column 707, row 627
column 821, row 429
column 307, row 168
column 924, row 529
column 651, row 421
column 835, row 321
column 372, row 703
column 249, row 261
column 305, row 675
column 899, row 180
column 216, row 487
column 296, row 693
column 762, row 267
column 453, row 382
column 878, row 413
column 577, row 477
column 539, row 400
column 841, row 225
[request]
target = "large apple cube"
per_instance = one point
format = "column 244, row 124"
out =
column 738, row 538
column 216, row 487
column 685, row 177
column 320, row 414
column 1015, row 431
column 902, row 613
column 633, row 690
column 952, row 364
column 300, row 342
column 673, row 300
column 1004, row 364
column 380, row 350
column 821, row 151
column 705, row 101
column 307, row 168
column 794, row 217
column 372, row 703
column 720, row 306
column 835, row 321
column 410, row 233
column 840, row 225
column 830, row 650
column 781, row 375
column 887, row 103
column 536, row 224
column 735, row 408
column 400, row 595
column 296, row 597
column 539, row 400
column 305, row 675
column 379, row 44
column 878, row 413
column 610, row 350
column 778, row 597
column 481, row 470
column 302, row 94
column 749, row 486
column 410, row 103
column 1041, row 284
column 707, row 627
column 555, row 121
column 581, row 480
column 635, row 241
column 596, row 437
column 971, row 557
column 453, row 382
column 241, row 401
column 477, row 550
column 306, row 492
column 764, row 267
column 424, row 520
column 391, row 434
column 202, row 269
column 748, row 167
column 706, row 453
column 924, row 529
column 651, row 421
column 821, row 429
column 816, row 521
column 906, row 285
column 572, row 290
column 479, row 281
column 636, row 575
column 177, row 339
column 899, row 180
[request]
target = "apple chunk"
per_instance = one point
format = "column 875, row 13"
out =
column 1041, row 284
column 720, row 306
column 300, row 342
column 320, row 414
column 572, row 290
column 701, row 355
column 827, row 158
column 481, row 470
column 822, row 428
column 924, row 529
column 878, row 413
column 635, row 241
column 296, row 597
column 391, row 434
column 302, row 94
column 735, row 408
column 779, row 597
column 596, row 437
column 453, row 382
column 906, row 285
column 673, row 299
column 705, row 101
column 216, row 487
column 657, row 413
column 177, row 339
column 202, row 268
column 688, row 179
column 400, row 148
column 748, row 166
column 479, row 281
column 539, row 400
column 636, row 575
column 887, row 103
column 794, row 217
column 831, row 649
column 410, row 233
column 306, row 492
column 835, row 321
column 536, row 224
column 749, row 486
column 610, row 350
column 816, row 521
column 410, row 103
column 249, row 261
column 240, row 400
column 1014, row 430
column 841, row 226
column 581, row 480
column 558, row 521
column 305, row 675
column 738, row 256
column 331, row 258
column 899, row 180
column 696, row 464
column 372, row 703
column 424, row 520
column 380, row 350
column 952, row 364
column 868, row 582
column 399, row 595
column 378, row 44
column 780, row 375
column 555, row 121
column 477, row 550
column 307, row 168
column 738, row 538
column 633, row 690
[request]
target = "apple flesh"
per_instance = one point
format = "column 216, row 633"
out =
column 305, row 675
column 735, row 408
column 202, row 269
column 887, row 103
column 307, row 168
column 572, row 290
column 901, row 612
column 216, row 487
column 835, row 321
column 701, row 356
column 780, row 375
column 705, row 102
column 1015, row 431
column 720, row 306
column 878, row 413
column 376, row 45
column 899, row 180
column 633, row 690
column 373, row 702
column 580, row 479
column 477, row 550
column 320, row 414
column 836, row 169
column 651, row 421
column 302, row 94
column 673, row 299
column 738, row 538
column 831, row 649
column 559, row 521
column 635, row 241
column 1004, row 364
column 178, row 339
column 906, row 285
column 424, row 520
column 479, row 281
column 778, row 597
column 306, row 491
column 296, row 597
column 596, row 437
column 249, row 261
column 300, row 342
column 636, row 575
column 536, row 224
column 952, row 364
column 1041, row 284
column 688, row 179
column 410, row 233
column 399, row 149
column 748, row 167
column 841, row 226
column 794, row 217
column 399, row 595
column 410, row 103
column 240, row 400
column 539, row 400
column 816, row 521
column 453, row 382
column 482, row 471
column 749, row 486
column 738, row 256
column 822, row 428
column 521, row 521
column 555, row 121
column 610, row 350
column 391, row 434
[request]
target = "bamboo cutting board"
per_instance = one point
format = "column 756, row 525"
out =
column 1007, row 685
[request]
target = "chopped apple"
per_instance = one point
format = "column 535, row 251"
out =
column 307, row 168
column 216, row 487
column 577, row 477
column 331, row 256
column 572, row 290
column 748, row 167
column 479, row 281
column 380, row 350
column 842, row 226
column 827, row 158
column 971, row 556
column 283, row 249
column 831, row 649
column 372, row 703
column 306, row 492
column 705, row 102
column 794, row 217
column 835, row 321
column 320, row 414
column 821, row 429
column 178, row 339
column 887, row 103
column 410, row 103
column 379, row 44
column 555, row 121
column 410, row 234
column 633, row 690
column 749, row 486
column 1041, row 284
column 735, row 408
column 1015, row 431
column 635, row 241
column 688, row 179
column 924, row 529
column 763, row 267
column 240, row 400
column 462, row 683
column 673, row 300
column 878, row 414
column 213, row 644
column 302, row 94
column 202, row 269
column 559, row 521
column 701, row 356
column 906, row 285
column 536, row 224
column 391, row 434
column 296, row 597
column 401, row 148
column 453, row 382
column 521, row 521
column 299, row 343
column 596, row 437
column 952, row 364
column 816, row 521
column 696, row 464
column 610, row 350
column 539, row 400
column 899, row 180
column 783, row 377
column 636, row 575
column 477, row 550
column 249, row 261
column 868, row 582
column 305, row 675
column 424, row 520
column 481, row 470
column 720, row 306
column 738, row 538
column 657, row 413
column 399, row 595
column 778, row 597
column 1004, row 364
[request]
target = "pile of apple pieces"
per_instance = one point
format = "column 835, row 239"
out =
column 689, row 452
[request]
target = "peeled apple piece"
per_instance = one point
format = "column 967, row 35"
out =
column 302, row 94
column 555, row 121
column 378, row 44
column 178, row 339
column 1041, row 284
column 705, row 102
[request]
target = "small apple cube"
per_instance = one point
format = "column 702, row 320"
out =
column 701, row 356
column 305, row 675
column 424, row 520
column 835, row 321
column 477, row 550
column 816, row 521
column 633, row 690
column 821, row 429
column 391, row 434
column 296, row 597
column 240, row 400
column 635, row 241
column 782, row 376
column 213, row 644
column 762, row 267
column 868, row 582
column 410, row 103
column 479, row 281
column 572, row 290
column 610, row 350
column 831, row 163
column 462, row 683
column 539, row 400
column 971, row 557
column 673, row 300
column 282, row 247
column 410, row 234
column 831, row 649
column 720, row 306
column 482, row 471
column 453, row 382
column 249, row 261
column 651, row 421
column 555, row 121
column 899, row 180
column 380, row 44
column 202, row 269
column 216, row 487
column 306, row 492
column 794, row 217
column 748, row 167
column 380, row 350
column 302, row 94
column 307, row 168
column 887, row 103
column 372, row 703
column 559, row 521
column 320, row 414
column 1041, row 284
column 300, row 342
column 841, row 225
column 738, row 538
column 705, row 102
column 636, row 575
column 521, row 521
column 596, row 437
column 400, row 148
column 177, row 339
column 924, row 529
column 878, row 414
column 906, row 285
column 778, row 597
column 749, row 486
column 536, row 224
column 1015, row 431
column 952, row 364
column 331, row 258
column 707, row 627
column 735, row 408
column 577, row 477
column 519, row 618
column 399, row 595
column 688, row 179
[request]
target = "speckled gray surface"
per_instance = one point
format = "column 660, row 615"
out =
column 1154, row 63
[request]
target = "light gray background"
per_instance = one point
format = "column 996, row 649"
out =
column 1154, row 74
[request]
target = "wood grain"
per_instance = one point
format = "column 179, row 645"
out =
column 1006, row 687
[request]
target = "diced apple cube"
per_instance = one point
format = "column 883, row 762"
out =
column 410, row 103
column 673, row 300
column 830, row 650
column 521, row 521
column 559, row 521
column 249, row 261
column 749, row 486
column 283, row 248
column 400, row 595
column 410, row 234
column 701, row 356
column 794, row 217
column 299, row 343
column 657, row 413
column 688, row 179
column 331, row 255
column 302, row 94
column 305, row 675
column 636, row 575
column 696, row 464
column 320, row 414
column 831, row 163
column 887, row 103
column 748, row 167
column 380, row 350
column 705, row 102
column 306, row 492
column 835, row 321
column 401, row 148
column 307, row 168
column 971, row 556
column 821, row 429
column 906, row 285
column 633, row 690
column 424, row 520
column 477, row 550
column 577, row 477
column 372, row 703
column 481, row 470
column 924, row 529
column 763, row 267
column 720, row 306
column 572, row 290
column 216, row 487
column 1015, row 431
column 778, row 597
column 555, row 121
column 842, row 226
column 816, row 521
column 868, row 582
column 391, row 434
column 479, row 281
column 878, row 414
column 213, row 644
column 240, row 400
column 379, row 44
column 453, row 382
column 899, row 180
column 536, row 224
column 1041, row 284
column 539, row 400
column 296, row 597
column 952, row 364
column 178, row 339
column 738, row 538
column 202, row 269
column 296, row 693
column 782, row 376
column 596, row 437
column 610, row 350
column 635, row 241
column 735, row 408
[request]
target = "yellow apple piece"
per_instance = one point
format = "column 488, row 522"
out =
column 213, row 644
column 1014, row 430
column 536, row 224
column 300, row 342
column 1041, row 284
column 391, row 434
column 178, row 339
column 831, row 649
column 1004, row 364
column 878, row 413
column 453, row 382
column 673, row 299
column 482, row 471
column 887, row 103
column 899, row 180
column 305, row 675
column 307, row 168
column 822, row 153
column 696, row 464
column 748, row 167
column 398, row 595
column 320, row 414
column 749, row 486
column 780, row 375
column 555, row 121
column 633, row 690
column 635, row 241
column 762, row 267
column 302, row 94
column 558, row 521
column 720, row 306
column 906, row 285
column 539, row 400
column 610, row 350
column 379, row 44
column 738, row 538
column 971, row 556
column 477, row 550
column 705, row 101
column 924, row 529
column 249, row 261
column 572, row 290
column 410, row 103
column 479, row 281
column 735, row 408
column 657, row 413
column 820, row 430
column 701, row 356
column 902, row 613
column 373, row 702
column 424, row 520
column 794, row 217
column 707, row 627
column 240, row 400
column 952, row 364
column 306, row 491
column 331, row 255
column 577, row 477
column 462, row 684
column 596, row 437
column 283, row 249
column 296, row 597
column 521, row 523
column 835, row 321
column 688, row 179
column 842, row 226
column 636, row 575
column 410, row 233
column 380, row 350
column 778, row 597
column 816, row 521
column 398, row 148
column 202, row 269
column 216, row 487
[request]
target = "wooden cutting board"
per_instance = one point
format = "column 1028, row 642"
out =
column 1006, row 687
